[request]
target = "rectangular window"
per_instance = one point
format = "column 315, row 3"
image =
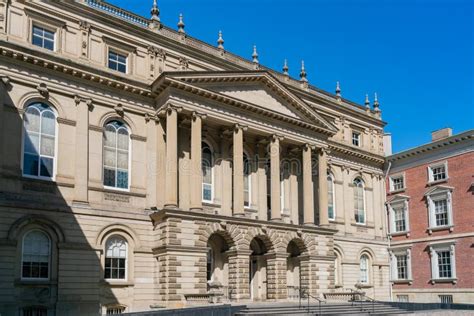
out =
column 398, row 183
column 114, row 268
column 444, row 265
column 446, row 299
column 35, row 311
column 400, row 223
column 43, row 38
column 402, row 267
column 356, row 139
column 117, row 62
column 438, row 172
column 441, row 212
column 402, row 298
column 115, row 310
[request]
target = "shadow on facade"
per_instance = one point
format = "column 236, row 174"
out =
column 49, row 265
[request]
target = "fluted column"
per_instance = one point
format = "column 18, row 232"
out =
column 196, row 153
column 82, row 150
column 171, row 188
column 323, row 188
column 308, row 197
column 275, row 177
column 238, row 169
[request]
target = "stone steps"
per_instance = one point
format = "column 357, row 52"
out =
column 358, row 308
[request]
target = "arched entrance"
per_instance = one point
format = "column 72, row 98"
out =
column 217, row 269
column 258, row 270
column 293, row 270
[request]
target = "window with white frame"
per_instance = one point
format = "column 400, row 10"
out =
column 207, row 176
column 398, row 210
column 116, row 155
column 43, row 37
column 438, row 172
column 36, row 253
column 356, row 139
column 39, row 141
column 359, row 201
column 401, row 264
column 440, row 208
column 117, row 61
column 34, row 311
column 443, row 265
column 115, row 259
column 247, row 180
column 397, row 183
column 331, row 198
column 364, row 269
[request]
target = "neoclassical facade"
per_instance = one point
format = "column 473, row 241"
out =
column 141, row 167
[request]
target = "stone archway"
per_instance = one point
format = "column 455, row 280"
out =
column 258, row 269
column 217, row 265
column 293, row 270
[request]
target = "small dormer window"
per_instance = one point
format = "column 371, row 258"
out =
column 117, row 61
column 356, row 139
column 43, row 38
column 397, row 183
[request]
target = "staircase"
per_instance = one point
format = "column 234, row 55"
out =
column 340, row 308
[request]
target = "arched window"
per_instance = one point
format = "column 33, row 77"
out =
column 247, row 183
column 359, row 204
column 115, row 258
column 206, row 166
column 39, row 142
column 116, row 155
column 36, row 252
column 337, row 270
column 331, row 199
column 364, row 269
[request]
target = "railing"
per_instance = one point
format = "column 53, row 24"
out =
column 304, row 292
column 123, row 14
column 363, row 298
column 293, row 292
column 347, row 295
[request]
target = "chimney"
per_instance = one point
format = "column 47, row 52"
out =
column 441, row 134
column 387, row 144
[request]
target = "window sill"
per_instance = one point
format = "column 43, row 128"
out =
column 433, row 229
column 430, row 183
column 20, row 282
column 210, row 204
column 117, row 283
column 366, row 225
column 447, row 280
column 397, row 191
column 404, row 281
column 407, row 233
column 365, row 286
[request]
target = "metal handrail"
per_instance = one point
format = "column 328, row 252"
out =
column 367, row 298
column 308, row 296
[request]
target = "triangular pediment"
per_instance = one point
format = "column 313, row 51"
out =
column 258, row 88
column 397, row 198
column 438, row 189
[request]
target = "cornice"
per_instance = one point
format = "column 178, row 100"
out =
column 48, row 61
column 164, row 82
column 354, row 152
column 442, row 143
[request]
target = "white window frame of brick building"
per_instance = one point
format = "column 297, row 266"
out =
column 432, row 174
column 393, row 186
column 434, row 196
column 436, row 249
column 394, row 276
column 398, row 203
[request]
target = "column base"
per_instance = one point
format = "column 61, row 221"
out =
column 276, row 219
column 78, row 203
column 171, row 207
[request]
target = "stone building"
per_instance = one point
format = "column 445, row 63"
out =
column 430, row 203
column 140, row 167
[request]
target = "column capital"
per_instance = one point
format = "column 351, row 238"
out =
column 308, row 146
column 168, row 108
column 5, row 80
column 323, row 151
column 88, row 101
column 237, row 127
column 275, row 137
column 195, row 115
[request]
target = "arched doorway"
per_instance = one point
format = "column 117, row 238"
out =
column 258, row 270
column 217, row 268
column 293, row 270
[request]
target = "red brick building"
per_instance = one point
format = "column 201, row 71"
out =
column 430, row 205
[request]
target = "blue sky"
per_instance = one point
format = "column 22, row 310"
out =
column 416, row 54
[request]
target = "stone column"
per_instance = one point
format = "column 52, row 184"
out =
column 171, row 188
column 4, row 83
column 308, row 197
column 323, row 188
column 262, row 182
column 81, row 167
column 238, row 168
column 275, row 177
column 239, row 274
column 226, row 198
column 276, row 276
column 196, row 153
